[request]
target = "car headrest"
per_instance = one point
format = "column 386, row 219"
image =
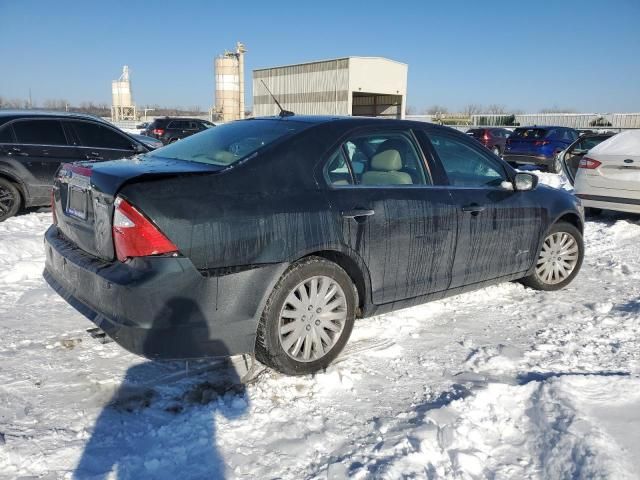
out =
column 386, row 161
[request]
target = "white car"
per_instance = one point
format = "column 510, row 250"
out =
column 608, row 175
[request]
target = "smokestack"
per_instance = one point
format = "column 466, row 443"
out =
column 240, row 49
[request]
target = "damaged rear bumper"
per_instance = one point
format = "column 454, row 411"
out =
column 162, row 307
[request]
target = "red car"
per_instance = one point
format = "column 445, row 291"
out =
column 492, row 138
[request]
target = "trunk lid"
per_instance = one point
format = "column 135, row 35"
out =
column 84, row 192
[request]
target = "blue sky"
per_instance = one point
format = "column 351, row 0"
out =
column 583, row 55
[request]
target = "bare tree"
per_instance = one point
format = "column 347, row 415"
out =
column 436, row 110
column 556, row 109
column 471, row 109
column 496, row 109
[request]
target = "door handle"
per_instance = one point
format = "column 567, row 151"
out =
column 473, row 209
column 357, row 213
column 17, row 151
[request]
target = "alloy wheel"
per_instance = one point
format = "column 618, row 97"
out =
column 7, row 200
column 312, row 319
column 558, row 258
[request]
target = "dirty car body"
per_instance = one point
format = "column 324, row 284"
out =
column 240, row 217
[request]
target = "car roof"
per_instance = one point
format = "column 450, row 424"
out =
column 7, row 115
column 352, row 121
column 544, row 127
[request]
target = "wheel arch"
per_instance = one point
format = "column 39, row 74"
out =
column 572, row 218
column 355, row 268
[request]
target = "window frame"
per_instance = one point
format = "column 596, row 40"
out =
column 368, row 130
column 78, row 143
column 31, row 119
column 483, row 152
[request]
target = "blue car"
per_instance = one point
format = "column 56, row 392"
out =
column 539, row 146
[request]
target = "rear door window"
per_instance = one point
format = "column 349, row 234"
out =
column 39, row 132
column 98, row 136
column 381, row 158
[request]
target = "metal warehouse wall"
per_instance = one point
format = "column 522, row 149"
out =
column 311, row 88
column 327, row 87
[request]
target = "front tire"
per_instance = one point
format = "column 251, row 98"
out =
column 308, row 318
column 10, row 199
column 555, row 166
column 559, row 259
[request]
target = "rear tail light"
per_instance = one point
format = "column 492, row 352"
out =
column 540, row 143
column 589, row 163
column 134, row 235
column 158, row 131
column 485, row 136
column 53, row 207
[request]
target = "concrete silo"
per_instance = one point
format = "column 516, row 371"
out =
column 122, row 106
column 229, row 74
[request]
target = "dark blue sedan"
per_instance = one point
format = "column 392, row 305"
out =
column 539, row 146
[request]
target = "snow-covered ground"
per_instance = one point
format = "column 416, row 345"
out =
column 504, row 383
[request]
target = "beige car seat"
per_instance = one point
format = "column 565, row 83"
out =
column 385, row 170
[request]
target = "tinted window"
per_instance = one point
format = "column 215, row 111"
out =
column 5, row 135
column 39, row 132
column 476, row 132
column 465, row 165
column 229, row 143
column 385, row 158
column 533, row 133
column 178, row 124
column 589, row 142
column 99, row 136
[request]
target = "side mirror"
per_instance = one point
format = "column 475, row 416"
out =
column 524, row 182
column 139, row 148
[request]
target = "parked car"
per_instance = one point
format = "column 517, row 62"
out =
column 608, row 175
column 492, row 138
column 33, row 144
column 570, row 158
column 273, row 234
column 150, row 142
column 169, row 130
column 538, row 146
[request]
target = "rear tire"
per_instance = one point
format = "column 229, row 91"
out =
column 10, row 199
column 295, row 336
column 592, row 212
column 559, row 259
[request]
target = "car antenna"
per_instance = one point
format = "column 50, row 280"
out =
column 283, row 113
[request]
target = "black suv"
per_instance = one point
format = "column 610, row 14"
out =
column 33, row 145
column 169, row 129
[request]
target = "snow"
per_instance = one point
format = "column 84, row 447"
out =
column 504, row 383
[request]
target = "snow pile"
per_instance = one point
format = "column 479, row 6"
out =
column 504, row 382
column 623, row 143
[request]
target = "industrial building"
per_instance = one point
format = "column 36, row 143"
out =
column 229, row 73
column 122, row 106
column 363, row 86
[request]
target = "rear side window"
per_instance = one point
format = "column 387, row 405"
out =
column 99, row 136
column 5, row 135
column 465, row 165
column 229, row 143
column 39, row 132
column 178, row 125
column 377, row 159
column 532, row 133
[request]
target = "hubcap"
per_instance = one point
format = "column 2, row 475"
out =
column 558, row 258
column 312, row 318
column 7, row 201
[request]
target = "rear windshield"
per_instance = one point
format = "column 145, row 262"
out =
column 229, row 143
column 530, row 133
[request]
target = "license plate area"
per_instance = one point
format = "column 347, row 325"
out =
column 76, row 202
